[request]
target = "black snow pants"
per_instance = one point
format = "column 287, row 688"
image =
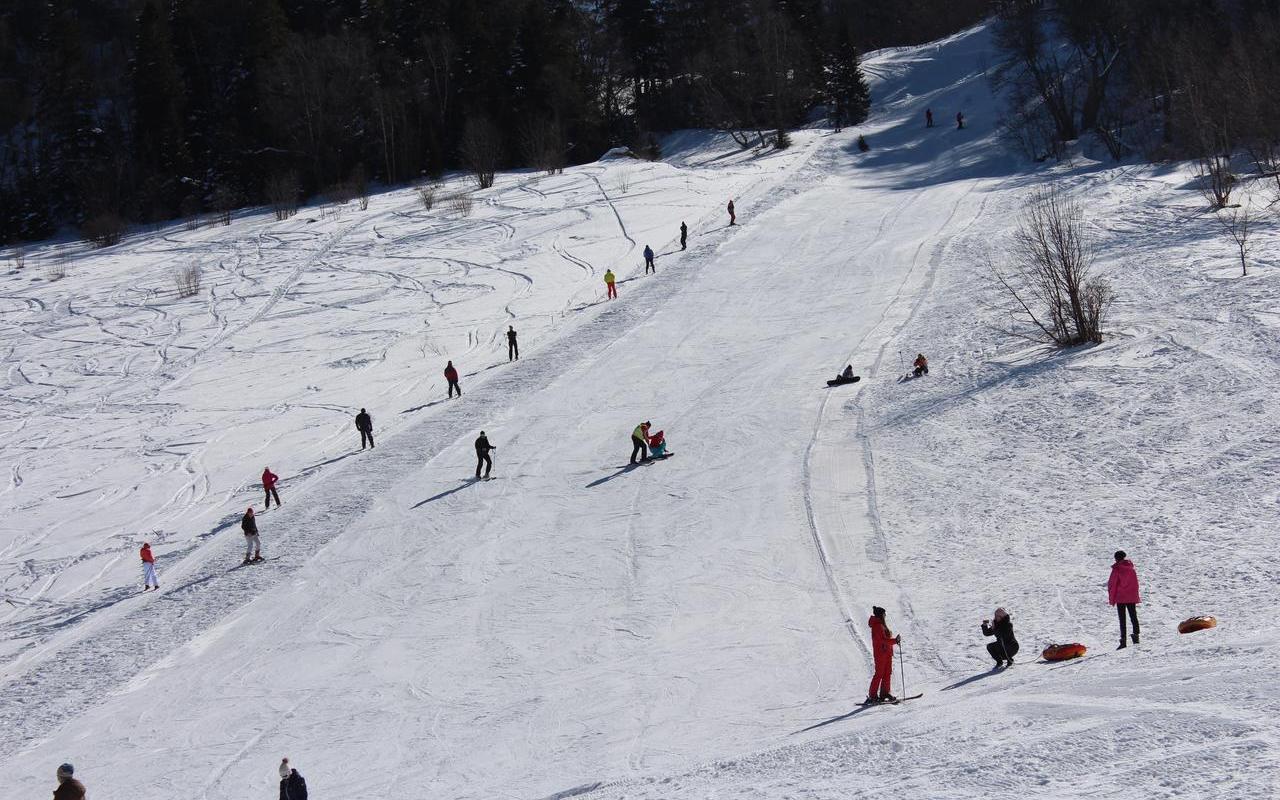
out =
column 513, row 350
column 366, row 439
column 638, row 446
column 453, row 386
column 1132, row 610
column 483, row 460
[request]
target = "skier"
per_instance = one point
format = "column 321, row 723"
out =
column 513, row 347
column 882, row 642
column 269, row 479
column 149, row 579
column 252, row 544
column 639, row 442
column 733, row 218
column 959, row 120
column 482, row 455
column 921, row 365
column 609, row 279
column 648, row 260
column 292, row 786
column 684, row 235
column 1005, row 647
column 1122, row 592
column 364, row 424
column 928, row 117
column 657, row 445
column 68, row 787
column 451, row 375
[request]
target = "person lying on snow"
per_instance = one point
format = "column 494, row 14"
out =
column 1005, row 647
column 657, row 445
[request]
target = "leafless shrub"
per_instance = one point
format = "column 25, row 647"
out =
column 19, row 258
column 190, row 210
column 104, row 229
column 282, row 191
column 459, row 203
column 340, row 193
column 427, row 195
column 482, row 150
column 1048, row 277
column 57, row 268
column 1213, row 173
column 1237, row 224
column 542, row 145
column 622, row 179
column 359, row 182
column 187, row 280
column 225, row 200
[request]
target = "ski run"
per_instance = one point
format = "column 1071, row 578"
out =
column 691, row 627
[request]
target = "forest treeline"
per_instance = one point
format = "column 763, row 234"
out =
column 115, row 111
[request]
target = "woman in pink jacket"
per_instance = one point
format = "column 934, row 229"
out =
column 1122, row 592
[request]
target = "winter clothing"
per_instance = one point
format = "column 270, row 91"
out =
column 1122, row 587
column 648, row 260
column 149, row 579
column 639, row 442
column 285, row 769
column 293, row 787
column 928, row 118
column 249, row 524
column 684, row 235
column 848, row 372
column 513, row 348
column 959, row 120
column 1132, row 610
column 1005, row 647
column 451, row 375
column 882, row 642
column 269, row 479
column 482, row 455
column 733, row 218
column 921, row 365
column 609, row 279
column 69, row 789
column 252, row 544
column 657, row 445
column 364, row 424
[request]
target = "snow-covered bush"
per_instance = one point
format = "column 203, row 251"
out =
column 426, row 195
column 187, row 280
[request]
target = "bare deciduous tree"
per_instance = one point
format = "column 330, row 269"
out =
column 1049, row 275
column 482, row 150
column 1237, row 223
column 1215, row 178
column 282, row 191
column 224, row 200
column 543, row 146
column 104, row 229
column 426, row 195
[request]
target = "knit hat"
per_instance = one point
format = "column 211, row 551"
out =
column 284, row 768
column 1120, row 555
column 65, row 771
column 877, row 611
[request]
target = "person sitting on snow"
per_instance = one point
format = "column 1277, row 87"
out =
column 921, row 365
column 657, row 445
column 847, row 374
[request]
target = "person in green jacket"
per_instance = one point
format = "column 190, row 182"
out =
column 608, row 282
column 639, row 442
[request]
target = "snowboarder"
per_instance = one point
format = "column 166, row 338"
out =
column 292, row 786
column 364, row 424
column 149, row 579
column 882, row 642
column 648, row 260
column 639, row 442
column 482, row 455
column 513, row 347
column 451, row 375
column 269, row 480
column 68, row 787
column 733, row 218
column 252, row 544
column 612, row 291
column 844, row 377
column 959, row 120
column 1122, row 592
column 657, row 445
column 921, row 365
column 848, row 372
column 928, row 117
column 1005, row 647
column 684, row 235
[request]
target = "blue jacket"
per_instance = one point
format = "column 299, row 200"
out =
column 648, row 253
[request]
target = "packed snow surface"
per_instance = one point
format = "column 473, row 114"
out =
column 693, row 627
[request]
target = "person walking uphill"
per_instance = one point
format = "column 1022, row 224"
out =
column 611, row 290
column 149, row 579
column 482, row 455
column 639, row 442
column 1122, row 592
column 269, row 480
column 364, row 424
column 1005, row 647
column 684, row 236
column 68, row 787
column 451, row 375
column 252, row 544
column 513, row 347
column 882, row 642
column 292, row 785
column 648, row 260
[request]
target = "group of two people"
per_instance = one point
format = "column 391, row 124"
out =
column 646, row 445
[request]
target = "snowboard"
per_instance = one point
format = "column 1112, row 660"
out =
column 843, row 381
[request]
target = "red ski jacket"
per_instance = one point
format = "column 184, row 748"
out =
column 1122, row 587
column 882, row 639
column 450, row 374
column 145, row 552
column 269, row 479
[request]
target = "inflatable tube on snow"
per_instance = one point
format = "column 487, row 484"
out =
column 1197, row 624
column 1063, row 652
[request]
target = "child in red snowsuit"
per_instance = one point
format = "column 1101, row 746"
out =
column 882, row 642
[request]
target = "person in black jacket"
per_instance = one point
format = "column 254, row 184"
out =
column 684, row 236
column 364, row 424
column 482, row 455
column 513, row 347
column 252, row 544
column 1005, row 647
column 292, row 785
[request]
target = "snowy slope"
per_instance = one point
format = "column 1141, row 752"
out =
column 682, row 628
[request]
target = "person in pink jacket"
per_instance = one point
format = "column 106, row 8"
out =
column 1122, row 592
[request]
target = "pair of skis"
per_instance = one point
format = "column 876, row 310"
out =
column 896, row 702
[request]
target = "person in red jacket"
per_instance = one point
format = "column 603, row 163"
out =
column 882, row 642
column 451, row 375
column 1122, row 592
column 269, row 479
column 149, row 578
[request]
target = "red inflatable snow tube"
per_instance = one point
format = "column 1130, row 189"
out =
column 1197, row 624
column 1063, row 652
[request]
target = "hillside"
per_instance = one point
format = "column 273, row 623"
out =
column 694, row 627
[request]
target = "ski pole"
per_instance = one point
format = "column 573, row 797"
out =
column 902, row 670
